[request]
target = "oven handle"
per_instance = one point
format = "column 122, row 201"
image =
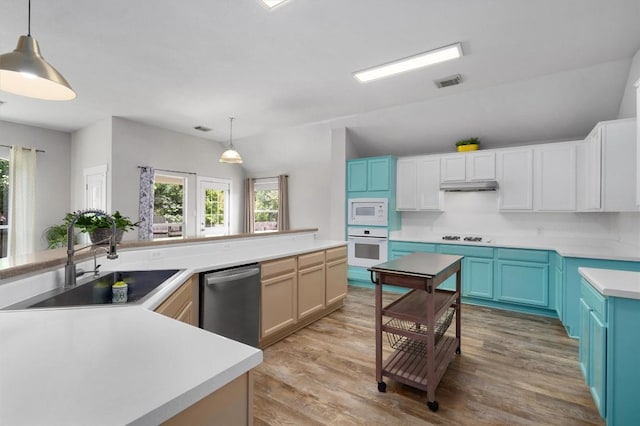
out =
column 368, row 239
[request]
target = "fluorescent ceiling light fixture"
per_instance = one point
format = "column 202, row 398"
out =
column 411, row 63
column 273, row 3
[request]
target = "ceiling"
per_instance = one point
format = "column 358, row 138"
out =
column 532, row 71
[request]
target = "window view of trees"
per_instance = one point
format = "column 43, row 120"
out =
column 168, row 207
column 214, row 208
column 169, row 202
column 266, row 210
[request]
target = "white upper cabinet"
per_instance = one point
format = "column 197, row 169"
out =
column 468, row 166
column 554, row 177
column 418, row 183
column 607, row 168
column 407, row 184
column 514, row 167
column 637, row 85
column 429, row 195
column 453, row 168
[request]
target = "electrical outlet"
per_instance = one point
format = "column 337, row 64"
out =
column 156, row 255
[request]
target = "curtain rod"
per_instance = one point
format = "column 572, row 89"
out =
column 9, row 146
column 172, row 171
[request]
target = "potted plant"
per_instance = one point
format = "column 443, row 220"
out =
column 56, row 236
column 99, row 227
column 470, row 144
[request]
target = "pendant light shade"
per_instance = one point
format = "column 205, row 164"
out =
column 25, row 72
column 231, row 155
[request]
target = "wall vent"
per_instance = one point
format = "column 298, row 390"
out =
column 452, row 80
column 202, row 128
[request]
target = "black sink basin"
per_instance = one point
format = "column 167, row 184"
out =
column 97, row 291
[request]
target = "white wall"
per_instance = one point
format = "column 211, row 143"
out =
column 477, row 213
column 90, row 147
column 304, row 153
column 628, row 103
column 53, row 176
column 136, row 144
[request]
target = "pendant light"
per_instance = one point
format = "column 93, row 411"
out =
column 231, row 155
column 25, row 72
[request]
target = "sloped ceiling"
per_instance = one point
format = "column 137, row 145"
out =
column 532, row 71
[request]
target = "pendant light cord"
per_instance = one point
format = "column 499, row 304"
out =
column 230, row 129
column 29, row 23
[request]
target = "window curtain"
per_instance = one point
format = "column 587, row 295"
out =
column 283, row 202
column 22, row 200
column 145, row 231
column 249, row 205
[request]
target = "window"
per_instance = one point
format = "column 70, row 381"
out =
column 169, row 206
column 4, row 206
column 213, row 206
column 266, row 205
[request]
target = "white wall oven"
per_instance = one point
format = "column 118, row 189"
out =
column 367, row 246
column 368, row 211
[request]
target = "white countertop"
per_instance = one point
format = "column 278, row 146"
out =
column 109, row 366
column 566, row 247
column 117, row 364
column 613, row 283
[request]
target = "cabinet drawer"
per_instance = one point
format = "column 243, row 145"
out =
column 278, row 267
column 178, row 301
column 595, row 300
column 311, row 259
column 465, row 250
column 524, row 255
column 413, row 247
column 336, row 254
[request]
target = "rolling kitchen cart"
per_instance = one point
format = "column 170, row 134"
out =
column 416, row 323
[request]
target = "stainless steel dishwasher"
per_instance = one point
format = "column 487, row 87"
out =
column 230, row 303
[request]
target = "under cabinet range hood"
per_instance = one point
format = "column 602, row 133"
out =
column 467, row 186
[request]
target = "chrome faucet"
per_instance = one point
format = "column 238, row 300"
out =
column 70, row 267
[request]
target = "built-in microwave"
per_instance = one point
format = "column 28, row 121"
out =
column 368, row 211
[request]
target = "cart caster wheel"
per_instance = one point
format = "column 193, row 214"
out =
column 458, row 351
column 382, row 387
column 433, row 405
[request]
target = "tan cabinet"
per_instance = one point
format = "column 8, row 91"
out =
column 299, row 290
column 183, row 303
column 278, row 299
column 336, row 275
column 311, row 284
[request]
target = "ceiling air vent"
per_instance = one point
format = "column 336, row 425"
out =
column 202, row 128
column 452, row 80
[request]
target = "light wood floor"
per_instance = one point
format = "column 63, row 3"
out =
column 514, row 369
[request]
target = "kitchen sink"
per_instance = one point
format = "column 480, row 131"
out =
column 97, row 290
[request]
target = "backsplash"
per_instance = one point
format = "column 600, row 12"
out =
column 477, row 213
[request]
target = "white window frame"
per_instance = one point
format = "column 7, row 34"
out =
column 185, row 197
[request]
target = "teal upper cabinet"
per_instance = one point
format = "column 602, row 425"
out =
column 370, row 174
column 357, row 175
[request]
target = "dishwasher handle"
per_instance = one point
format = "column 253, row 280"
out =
column 224, row 278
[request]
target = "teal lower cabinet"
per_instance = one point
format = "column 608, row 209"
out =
column 522, row 277
column 557, row 265
column 609, row 348
column 477, row 270
column 401, row 248
column 571, row 287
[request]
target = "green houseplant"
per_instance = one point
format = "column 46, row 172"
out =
column 470, row 144
column 99, row 227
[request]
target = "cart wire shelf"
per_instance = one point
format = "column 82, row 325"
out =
column 416, row 346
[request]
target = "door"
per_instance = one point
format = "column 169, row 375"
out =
column 515, row 178
column 406, row 181
column 95, row 187
column 213, row 206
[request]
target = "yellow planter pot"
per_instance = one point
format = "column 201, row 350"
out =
column 470, row 147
